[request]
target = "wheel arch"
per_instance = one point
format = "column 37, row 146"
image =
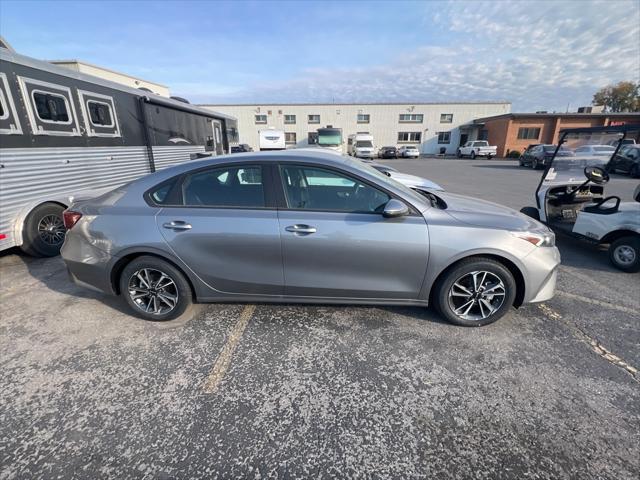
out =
column 18, row 228
column 510, row 265
column 122, row 262
column 616, row 234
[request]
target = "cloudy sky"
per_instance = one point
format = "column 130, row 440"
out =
column 543, row 55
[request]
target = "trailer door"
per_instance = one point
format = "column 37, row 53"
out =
column 217, row 137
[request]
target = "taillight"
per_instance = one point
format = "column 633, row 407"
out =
column 70, row 218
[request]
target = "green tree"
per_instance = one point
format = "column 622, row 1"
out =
column 623, row 97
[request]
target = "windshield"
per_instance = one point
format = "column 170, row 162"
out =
column 364, row 143
column 585, row 149
column 330, row 137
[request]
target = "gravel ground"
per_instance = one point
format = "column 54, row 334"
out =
column 282, row 391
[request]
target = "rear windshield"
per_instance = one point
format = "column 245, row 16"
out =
column 481, row 144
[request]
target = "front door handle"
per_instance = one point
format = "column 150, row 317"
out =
column 301, row 229
column 177, row 225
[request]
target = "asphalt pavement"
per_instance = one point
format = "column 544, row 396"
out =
column 289, row 391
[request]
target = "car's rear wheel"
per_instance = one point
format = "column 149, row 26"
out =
column 44, row 231
column 634, row 171
column 624, row 254
column 476, row 292
column 154, row 289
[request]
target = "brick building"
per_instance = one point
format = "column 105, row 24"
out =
column 515, row 131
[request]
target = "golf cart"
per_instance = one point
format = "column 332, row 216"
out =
column 570, row 196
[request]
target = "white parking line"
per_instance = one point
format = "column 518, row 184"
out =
column 224, row 358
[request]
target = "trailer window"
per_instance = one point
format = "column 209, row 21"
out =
column 3, row 113
column 51, row 107
column 100, row 113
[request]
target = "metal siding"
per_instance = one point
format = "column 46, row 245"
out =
column 27, row 173
column 165, row 156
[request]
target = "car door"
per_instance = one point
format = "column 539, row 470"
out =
column 225, row 228
column 336, row 242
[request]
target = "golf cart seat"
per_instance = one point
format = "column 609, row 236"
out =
column 600, row 207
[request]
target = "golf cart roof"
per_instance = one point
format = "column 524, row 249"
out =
column 610, row 129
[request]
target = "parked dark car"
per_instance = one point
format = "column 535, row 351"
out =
column 388, row 152
column 538, row 156
column 627, row 160
column 243, row 147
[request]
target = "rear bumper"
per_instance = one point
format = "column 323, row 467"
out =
column 87, row 265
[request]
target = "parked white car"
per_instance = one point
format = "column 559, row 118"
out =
column 595, row 150
column 477, row 148
column 408, row 151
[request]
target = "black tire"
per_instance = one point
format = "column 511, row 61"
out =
column 473, row 155
column 458, row 153
column 160, row 295
column 445, row 304
column 634, row 171
column 624, row 253
column 489, row 157
column 520, row 162
column 531, row 212
column 534, row 163
column 43, row 233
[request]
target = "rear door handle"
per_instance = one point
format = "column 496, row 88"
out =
column 177, row 225
column 302, row 229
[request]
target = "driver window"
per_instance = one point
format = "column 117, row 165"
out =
column 312, row 188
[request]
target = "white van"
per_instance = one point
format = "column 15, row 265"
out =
column 272, row 139
column 360, row 145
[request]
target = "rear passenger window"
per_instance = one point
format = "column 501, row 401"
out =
column 161, row 194
column 225, row 187
column 51, row 107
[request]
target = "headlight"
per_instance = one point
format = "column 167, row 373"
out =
column 539, row 238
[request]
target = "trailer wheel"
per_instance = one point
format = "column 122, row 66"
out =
column 44, row 231
column 624, row 254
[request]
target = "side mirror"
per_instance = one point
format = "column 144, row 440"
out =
column 395, row 208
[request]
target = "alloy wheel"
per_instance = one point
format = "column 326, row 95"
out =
column 624, row 255
column 476, row 295
column 153, row 291
column 51, row 230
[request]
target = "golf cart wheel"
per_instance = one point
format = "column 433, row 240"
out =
column 44, row 231
column 476, row 292
column 154, row 289
column 473, row 154
column 624, row 254
column 531, row 212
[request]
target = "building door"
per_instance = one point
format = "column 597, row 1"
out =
column 464, row 137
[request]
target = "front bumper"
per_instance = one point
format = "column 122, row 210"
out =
column 541, row 272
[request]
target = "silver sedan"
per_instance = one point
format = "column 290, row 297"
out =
column 305, row 227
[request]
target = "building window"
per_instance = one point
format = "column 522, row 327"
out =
column 411, row 118
column 313, row 118
column 444, row 138
column 312, row 138
column 484, row 134
column 261, row 119
column 363, row 118
column 290, row 137
column 528, row 133
column 50, row 107
column 409, row 137
column 446, row 118
column 290, row 119
column 100, row 114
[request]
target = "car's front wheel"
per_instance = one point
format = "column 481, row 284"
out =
column 154, row 289
column 473, row 154
column 476, row 292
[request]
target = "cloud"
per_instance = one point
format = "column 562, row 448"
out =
column 539, row 55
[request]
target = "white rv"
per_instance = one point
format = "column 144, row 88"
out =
column 272, row 139
column 360, row 145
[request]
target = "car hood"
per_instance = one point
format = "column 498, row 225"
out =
column 482, row 213
column 413, row 181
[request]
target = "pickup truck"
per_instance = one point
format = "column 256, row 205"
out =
column 477, row 148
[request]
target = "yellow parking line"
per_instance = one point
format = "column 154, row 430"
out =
column 224, row 358
column 600, row 303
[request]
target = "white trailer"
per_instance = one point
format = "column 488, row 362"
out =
column 360, row 145
column 272, row 139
